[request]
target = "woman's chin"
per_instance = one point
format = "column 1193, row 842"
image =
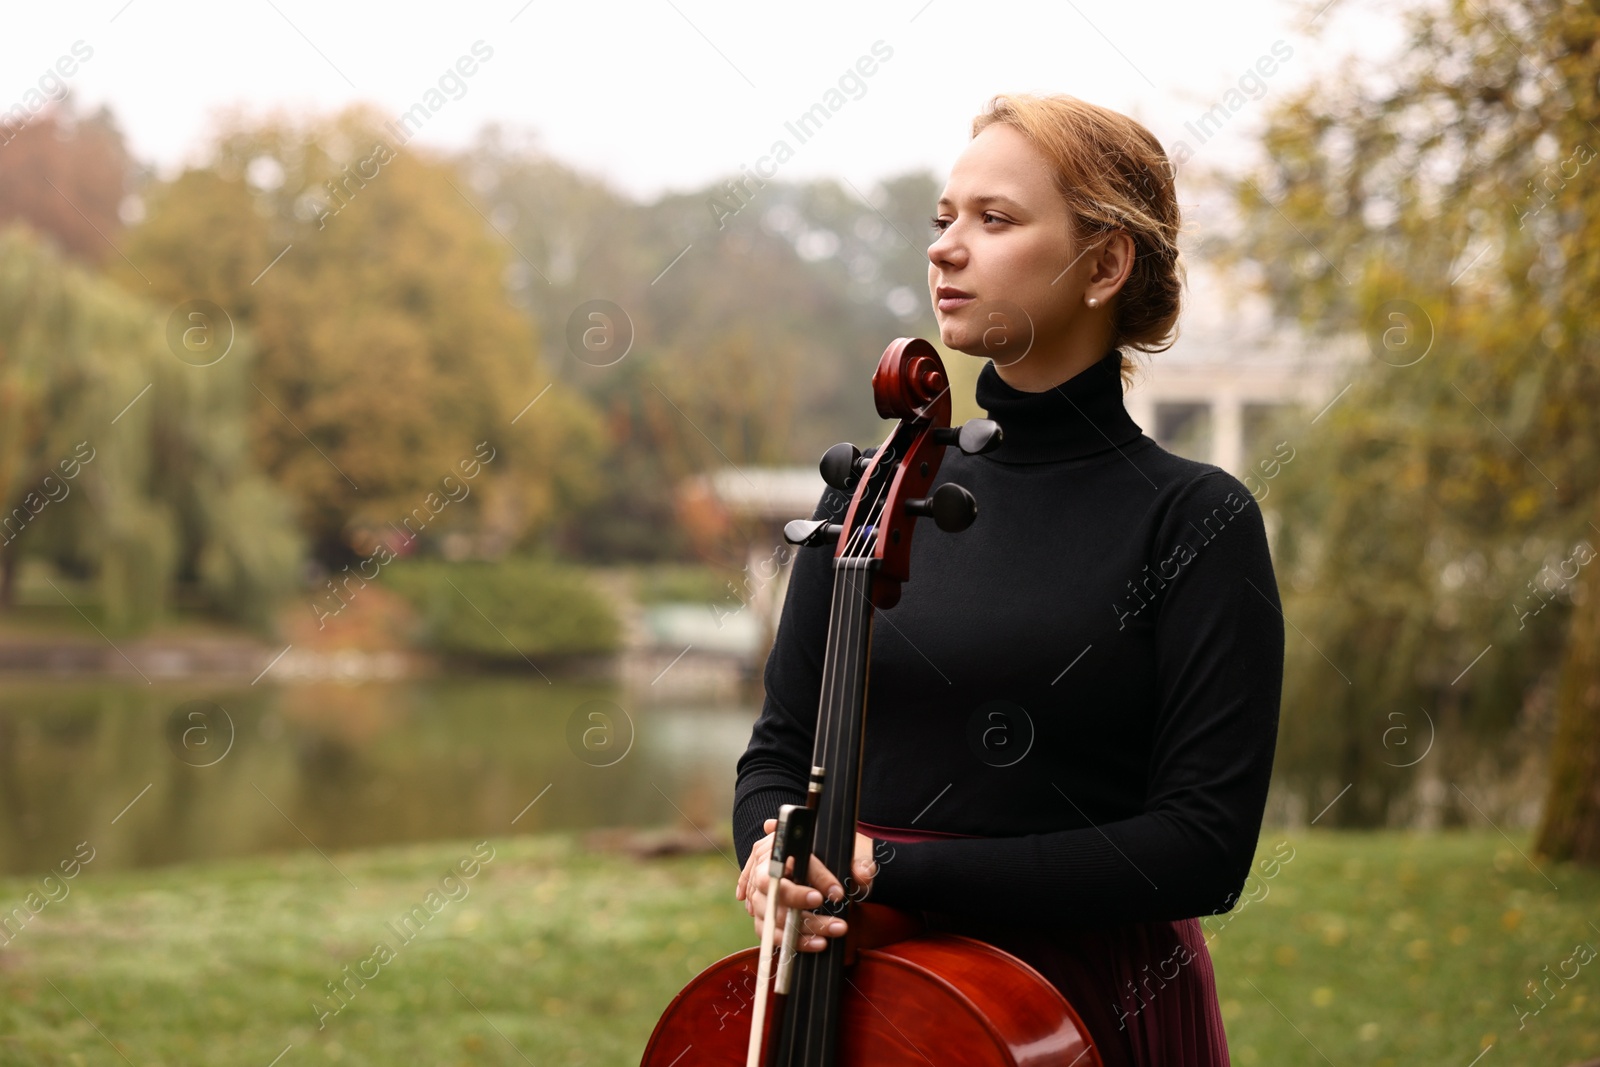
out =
column 958, row 338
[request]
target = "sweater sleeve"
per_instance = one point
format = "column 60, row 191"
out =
column 1219, row 640
column 776, row 765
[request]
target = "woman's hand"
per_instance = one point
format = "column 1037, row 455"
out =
column 815, row 929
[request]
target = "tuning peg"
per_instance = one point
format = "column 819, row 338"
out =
column 809, row 532
column 952, row 507
column 974, row 437
column 839, row 465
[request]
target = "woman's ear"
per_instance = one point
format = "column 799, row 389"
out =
column 1112, row 265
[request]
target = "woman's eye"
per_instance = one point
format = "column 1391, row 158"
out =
column 940, row 225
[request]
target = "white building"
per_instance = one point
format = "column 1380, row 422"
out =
column 1232, row 369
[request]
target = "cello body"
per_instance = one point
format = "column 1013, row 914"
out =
column 935, row 998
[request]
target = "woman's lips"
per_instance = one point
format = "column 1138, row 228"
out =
column 950, row 299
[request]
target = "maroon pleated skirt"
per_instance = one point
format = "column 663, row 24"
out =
column 1146, row 991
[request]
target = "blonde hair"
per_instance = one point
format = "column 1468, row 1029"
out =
column 1114, row 175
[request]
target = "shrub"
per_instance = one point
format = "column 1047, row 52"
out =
column 508, row 610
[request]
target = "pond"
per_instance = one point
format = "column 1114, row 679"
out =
column 168, row 773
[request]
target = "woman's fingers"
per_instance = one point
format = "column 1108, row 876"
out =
column 824, row 880
column 757, row 858
column 809, row 942
column 820, row 878
column 815, row 930
column 755, row 889
column 759, row 855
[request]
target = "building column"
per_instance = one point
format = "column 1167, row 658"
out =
column 1142, row 410
column 1227, row 433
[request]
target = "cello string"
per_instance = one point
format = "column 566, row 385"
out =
column 842, row 828
column 842, row 824
column 845, row 681
column 819, row 755
column 831, row 682
column 875, row 514
column 836, row 685
column 855, row 549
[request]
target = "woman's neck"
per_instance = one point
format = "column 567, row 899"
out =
column 1043, row 368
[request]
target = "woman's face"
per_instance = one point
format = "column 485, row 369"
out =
column 1005, row 242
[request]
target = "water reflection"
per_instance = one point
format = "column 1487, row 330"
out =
column 168, row 773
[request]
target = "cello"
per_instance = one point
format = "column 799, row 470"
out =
column 891, row 991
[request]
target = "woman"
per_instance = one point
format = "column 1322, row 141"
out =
column 1073, row 707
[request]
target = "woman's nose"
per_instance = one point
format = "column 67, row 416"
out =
column 945, row 249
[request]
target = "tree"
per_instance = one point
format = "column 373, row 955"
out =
column 758, row 313
column 65, row 175
column 376, row 293
column 122, row 462
column 1437, row 208
column 1570, row 828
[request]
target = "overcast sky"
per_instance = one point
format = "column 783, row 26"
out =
column 663, row 95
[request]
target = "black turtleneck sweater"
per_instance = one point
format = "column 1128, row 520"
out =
column 1082, row 687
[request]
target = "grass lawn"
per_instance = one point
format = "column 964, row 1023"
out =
column 1360, row 949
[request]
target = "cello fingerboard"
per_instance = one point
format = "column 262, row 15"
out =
column 810, row 1031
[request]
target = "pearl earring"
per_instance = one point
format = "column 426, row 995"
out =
column 1094, row 301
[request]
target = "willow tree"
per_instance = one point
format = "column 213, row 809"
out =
column 1434, row 535
column 120, row 461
